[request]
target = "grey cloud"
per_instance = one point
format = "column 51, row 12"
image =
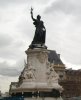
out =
column 6, row 70
column 68, row 44
column 12, row 52
column 10, row 47
column 5, row 40
column 4, row 3
column 65, row 6
column 26, row 28
column 65, row 18
column 72, row 51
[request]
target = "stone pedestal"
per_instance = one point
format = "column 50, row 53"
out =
column 38, row 73
column 38, row 77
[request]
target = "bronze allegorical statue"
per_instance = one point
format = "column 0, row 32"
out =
column 40, row 32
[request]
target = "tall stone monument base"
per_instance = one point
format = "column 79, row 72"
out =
column 38, row 80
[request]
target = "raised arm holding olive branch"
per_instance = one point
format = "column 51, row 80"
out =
column 32, row 13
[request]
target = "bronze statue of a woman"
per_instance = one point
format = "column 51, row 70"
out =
column 40, row 32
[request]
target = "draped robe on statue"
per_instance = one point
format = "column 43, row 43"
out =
column 40, row 32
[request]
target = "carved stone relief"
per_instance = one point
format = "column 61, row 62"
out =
column 27, row 74
column 52, row 76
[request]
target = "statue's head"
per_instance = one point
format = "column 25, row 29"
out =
column 38, row 17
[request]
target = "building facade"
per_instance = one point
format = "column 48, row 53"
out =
column 71, row 83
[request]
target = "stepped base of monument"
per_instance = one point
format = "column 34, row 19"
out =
column 48, row 98
column 54, row 94
column 40, row 86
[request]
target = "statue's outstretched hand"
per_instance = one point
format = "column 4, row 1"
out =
column 31, row 10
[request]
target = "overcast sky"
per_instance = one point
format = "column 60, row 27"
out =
column 62, row 19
